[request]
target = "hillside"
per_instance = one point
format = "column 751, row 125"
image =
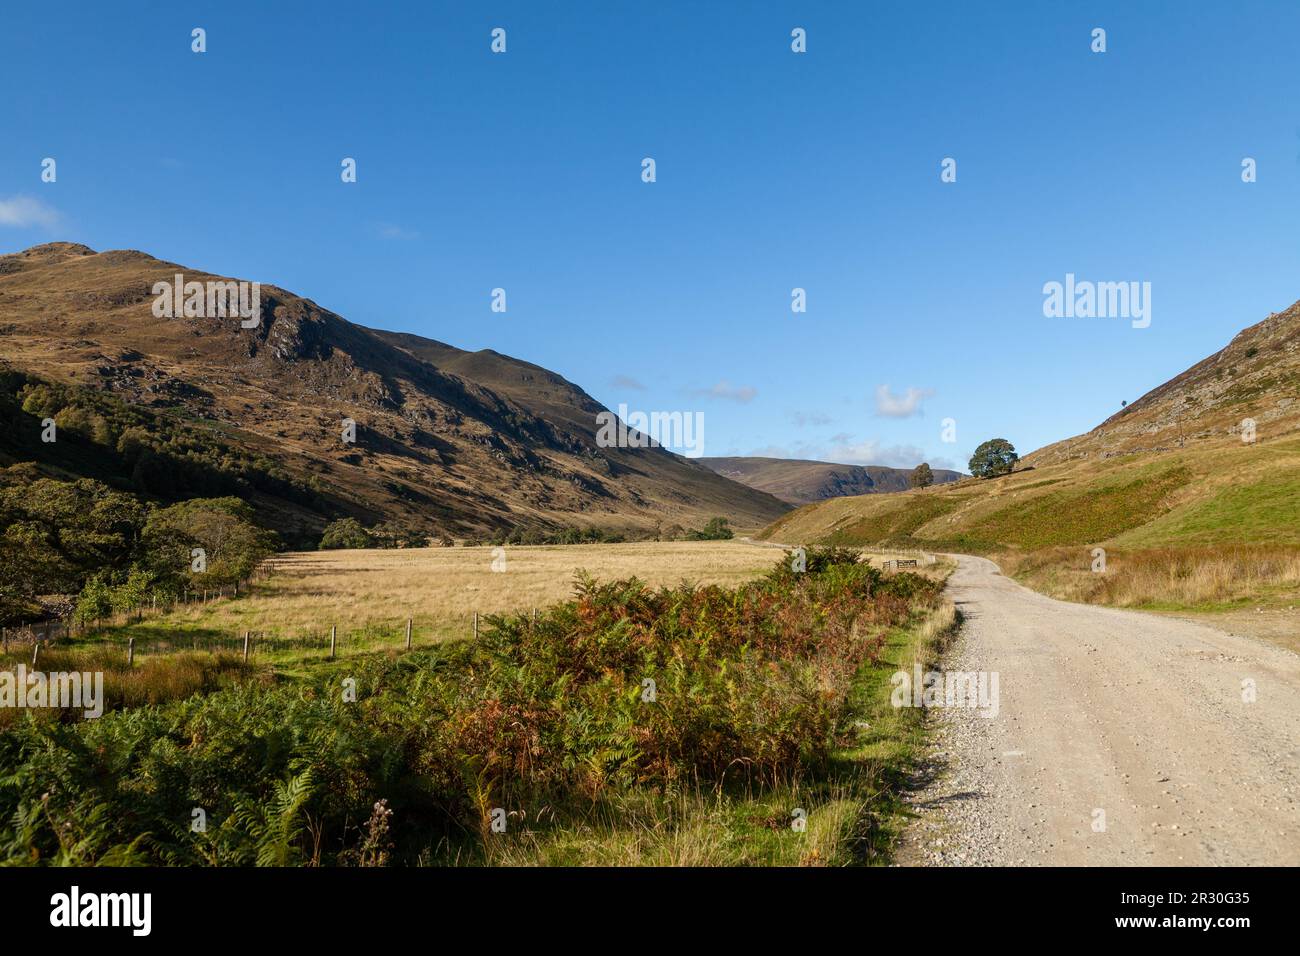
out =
column 802, row 482
column 446, row 441
column 1167, row 483
column 1256, row 376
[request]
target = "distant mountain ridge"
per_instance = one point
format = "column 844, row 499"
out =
column 452, row 441
column 801, row 482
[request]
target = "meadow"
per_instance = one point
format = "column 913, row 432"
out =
column 715, row 707
column 367, row 596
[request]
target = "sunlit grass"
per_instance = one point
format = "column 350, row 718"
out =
column 368, row 595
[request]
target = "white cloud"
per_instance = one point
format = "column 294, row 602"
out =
column 900, row 406
column 725, row 390
column 804, row 419
column 22, row 211
column 843, row 450
column 626, row 381
column 873, row 453
column 388, row 230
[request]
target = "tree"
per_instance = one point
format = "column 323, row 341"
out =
column 922, row 476
column 394, row 534
column 133, row 593
column 716, row 530
column 96, row 599
column 995, row 457
column 232, row 545
column 344, row 533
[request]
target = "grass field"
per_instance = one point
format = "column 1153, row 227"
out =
column 772, row 704
column 368, row 595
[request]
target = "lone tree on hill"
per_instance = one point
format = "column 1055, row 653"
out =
column 995, row 457
column 922, row 476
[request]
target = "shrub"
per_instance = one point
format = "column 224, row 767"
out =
column 344, row 533
column 716, row 530
column 751, row 688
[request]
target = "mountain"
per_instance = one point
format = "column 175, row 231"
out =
column 802, row 482
column 1169, row 471
column 1256, row 376
column 447, row 441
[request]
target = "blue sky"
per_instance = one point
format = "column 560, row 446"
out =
column 775, row 170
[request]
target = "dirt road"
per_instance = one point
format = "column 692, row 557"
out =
column 1120, row 738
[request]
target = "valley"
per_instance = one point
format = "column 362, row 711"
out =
column 1188, row 516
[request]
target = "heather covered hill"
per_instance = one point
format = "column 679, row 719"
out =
column 446, row 441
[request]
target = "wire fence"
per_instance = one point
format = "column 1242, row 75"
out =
column 330, row 642
column 55, row 630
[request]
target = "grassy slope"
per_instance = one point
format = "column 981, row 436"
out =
column 1046, row 521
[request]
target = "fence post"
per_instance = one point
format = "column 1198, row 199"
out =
column 130, row 652
column 534, row 617
column 476, row 625
column 4, row 638
column 408, row 633
column 36, row 651
column 246, row 636
column 334, row 629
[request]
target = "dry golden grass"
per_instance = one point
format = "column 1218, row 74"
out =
column 1193, row 578
column 151, row 681
column 441, row 588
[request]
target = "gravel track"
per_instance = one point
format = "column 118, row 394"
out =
column 1137, row 716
